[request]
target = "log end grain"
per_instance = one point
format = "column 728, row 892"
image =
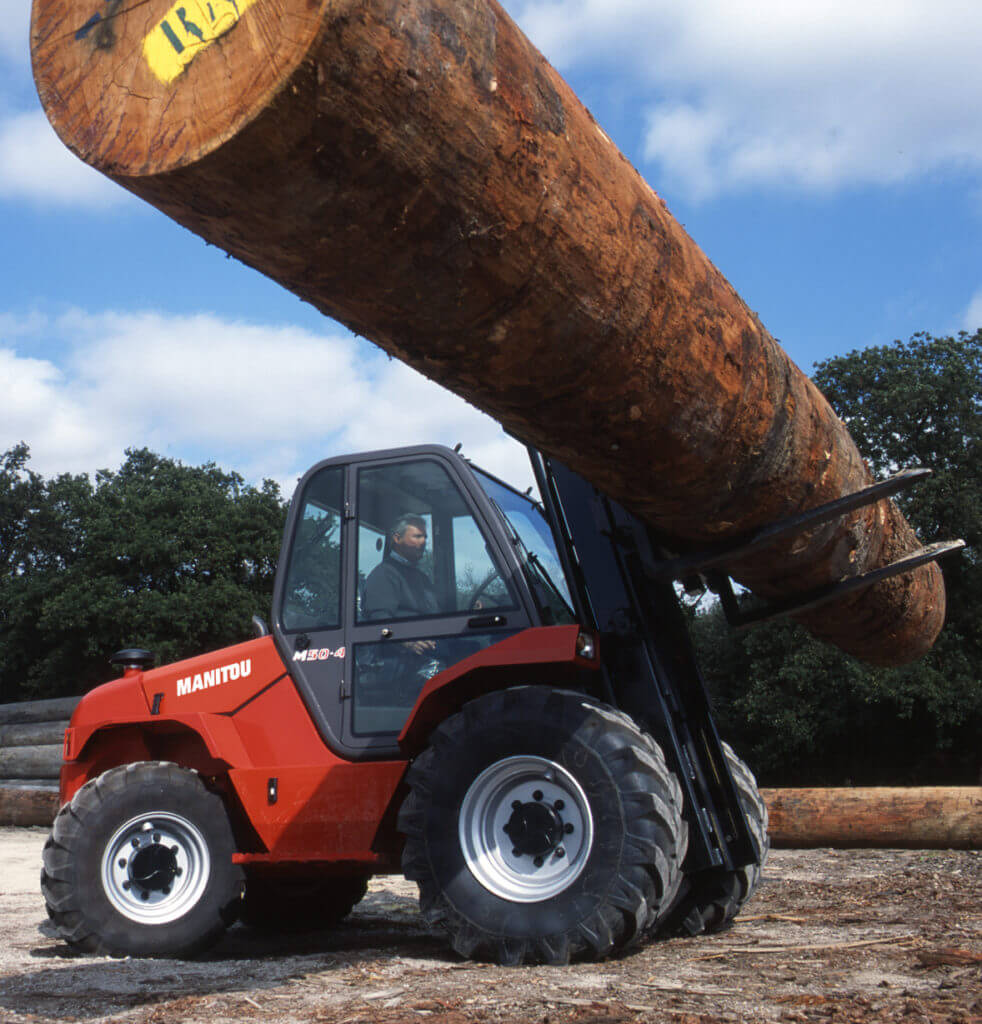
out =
column 135, row 88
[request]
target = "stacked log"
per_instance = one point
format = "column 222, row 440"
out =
column 416, row 170
column 31, row 736
column 919, row 818
column 926, row 817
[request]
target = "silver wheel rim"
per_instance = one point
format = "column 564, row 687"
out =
column 155, row 867
column 491, row 803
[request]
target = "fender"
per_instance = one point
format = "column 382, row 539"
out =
column 256, row 730
column 538, row 654
column 198, row 694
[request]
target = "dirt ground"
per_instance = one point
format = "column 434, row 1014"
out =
column 832, row 936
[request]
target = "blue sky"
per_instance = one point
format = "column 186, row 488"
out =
column 826, row 155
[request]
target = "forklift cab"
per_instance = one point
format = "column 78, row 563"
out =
column 360, row 661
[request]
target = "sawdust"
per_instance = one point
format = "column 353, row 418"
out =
column 857, row 936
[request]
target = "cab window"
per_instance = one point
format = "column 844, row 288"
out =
column 312, row 595
column 421, row 552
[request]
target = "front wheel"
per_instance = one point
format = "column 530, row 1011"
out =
column 140, row 864
column 713, row 898
column 541, row 826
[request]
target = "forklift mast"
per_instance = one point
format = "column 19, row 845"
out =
column 611, row 561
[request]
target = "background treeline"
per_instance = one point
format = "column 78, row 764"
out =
column 173, row 558
column 177, row 559
column 803, row 713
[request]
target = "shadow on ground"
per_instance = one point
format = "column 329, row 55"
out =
column 68, row 985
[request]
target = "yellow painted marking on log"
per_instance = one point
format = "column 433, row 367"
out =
column 188, row 28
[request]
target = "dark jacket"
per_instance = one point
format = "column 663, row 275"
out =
column 395, row 589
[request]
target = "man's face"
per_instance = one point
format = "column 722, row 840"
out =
column 411, row 543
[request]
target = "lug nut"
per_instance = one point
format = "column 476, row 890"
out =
column 516, row 852
column 126, row 884
column 560, row 852
column 537, row 795
column 134, row 842
column 559, row 804
column 516, row 805
column 537, row 862
column 122, row 862
column 156, row 837
column 144, row 895
column 568, row 828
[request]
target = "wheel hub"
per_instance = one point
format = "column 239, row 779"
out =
column 155, row 867
column 525, row 828
column 534, row 828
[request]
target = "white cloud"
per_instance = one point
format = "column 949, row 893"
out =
column 811, row 97
column 264, row 400
column 973, row 315
column 35, row 165
column 38, row 403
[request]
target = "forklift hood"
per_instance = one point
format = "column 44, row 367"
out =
column 211, row 684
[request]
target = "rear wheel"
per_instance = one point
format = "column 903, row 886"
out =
column 541, row 826
column 711, row 899
column 300, row 903
column 140, row 864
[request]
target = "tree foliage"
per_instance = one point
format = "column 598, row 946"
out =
column 173, row 558
column 805, row 713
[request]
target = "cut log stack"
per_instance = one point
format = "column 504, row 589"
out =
column 416, row 170
column 31, row 737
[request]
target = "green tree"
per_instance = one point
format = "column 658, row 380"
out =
column 805, row 713
column 160, row 555
column 919, row 403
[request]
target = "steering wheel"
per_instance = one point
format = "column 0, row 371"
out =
column 481, row 590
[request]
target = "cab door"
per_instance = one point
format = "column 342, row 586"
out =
column 308, row 622
column 414, row 612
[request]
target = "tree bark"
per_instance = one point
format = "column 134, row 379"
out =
column 58, row 709
column 42, row 762
column 416, row 170
column 27, row 806
column 918, row 818
column 31, row 734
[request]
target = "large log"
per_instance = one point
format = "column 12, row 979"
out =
column 917, row 818
column 416, row 170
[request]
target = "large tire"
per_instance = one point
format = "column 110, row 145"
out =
column 300, row 903
column 541, row 826
column 711, row 899
column 140, row 864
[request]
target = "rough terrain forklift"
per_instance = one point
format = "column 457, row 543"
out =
column 522, row 730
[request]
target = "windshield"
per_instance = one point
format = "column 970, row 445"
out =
column 535, row 546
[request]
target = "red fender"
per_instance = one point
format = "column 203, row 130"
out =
column 541, row 654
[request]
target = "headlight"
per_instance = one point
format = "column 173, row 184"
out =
column 586, row 646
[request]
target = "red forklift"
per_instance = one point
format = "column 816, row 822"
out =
column 491, row 694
